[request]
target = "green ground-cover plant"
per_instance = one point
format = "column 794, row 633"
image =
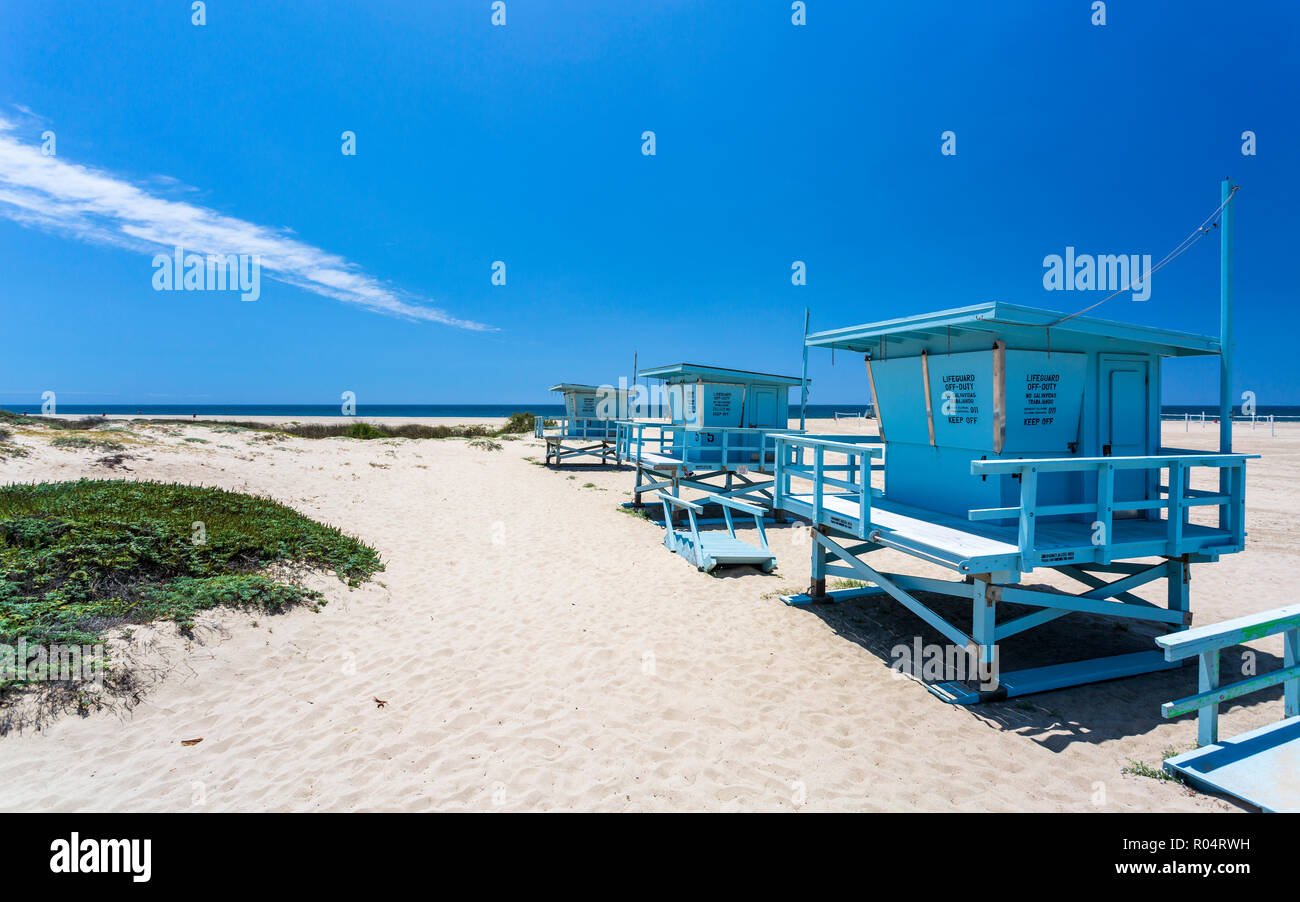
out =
column 77, row 558
column 83, row 442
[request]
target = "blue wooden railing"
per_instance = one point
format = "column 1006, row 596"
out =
column 731, row 447
column 1177, row 503
column 574, row 427
column 839, row 466
column 1207, row 641
column 848, row 473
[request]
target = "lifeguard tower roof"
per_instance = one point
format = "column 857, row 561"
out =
column 690, row 372
column 969, row 328
column 573, row 386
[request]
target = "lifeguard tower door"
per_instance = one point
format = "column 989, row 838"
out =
column 1124, row 423
column 765, row 409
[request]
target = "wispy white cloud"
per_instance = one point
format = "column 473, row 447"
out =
column 95, row 206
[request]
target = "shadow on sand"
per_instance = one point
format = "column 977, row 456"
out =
column 1101, row 711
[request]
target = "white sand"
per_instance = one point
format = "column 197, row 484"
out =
column 538, row 649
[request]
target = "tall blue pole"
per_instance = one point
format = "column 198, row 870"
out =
column 803, row 383
column 1225, row 338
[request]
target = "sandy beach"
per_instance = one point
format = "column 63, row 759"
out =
column 536, row 648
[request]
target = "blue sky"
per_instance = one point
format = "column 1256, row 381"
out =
column 522, row 143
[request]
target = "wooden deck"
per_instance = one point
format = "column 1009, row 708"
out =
column 980, row 547
column 658, row 461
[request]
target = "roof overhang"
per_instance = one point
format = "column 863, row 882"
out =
column 1021, row 327
column 574, row 386
column 691, row 372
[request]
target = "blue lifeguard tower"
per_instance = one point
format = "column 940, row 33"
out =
column 716, row 440
column 588, row 428
column 1011, row 439
column 716, row 437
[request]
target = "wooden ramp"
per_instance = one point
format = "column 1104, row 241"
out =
column 1261, row 767
column 711, row 549
column 717, row 549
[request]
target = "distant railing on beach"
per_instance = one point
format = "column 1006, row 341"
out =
column 857, row 415
column 1208, row 419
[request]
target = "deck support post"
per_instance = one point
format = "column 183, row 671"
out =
column 637, row 503
column 1179, row 580
column 983, row 628
column 676, row 492
column 1207, row 721
column 1290, row 658
column 818, row 587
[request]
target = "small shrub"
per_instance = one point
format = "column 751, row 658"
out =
column 518, row 423
column 485, row 444
column 418, row 430
column 81, row 442
column 364, row 430
column 1142, row 769
column 115, row 461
